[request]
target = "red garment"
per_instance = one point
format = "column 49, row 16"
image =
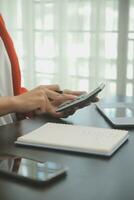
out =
column 16, row 75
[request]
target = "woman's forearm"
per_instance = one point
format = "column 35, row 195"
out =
column 7, row 105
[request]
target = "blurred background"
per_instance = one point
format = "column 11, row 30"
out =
column 74, row 43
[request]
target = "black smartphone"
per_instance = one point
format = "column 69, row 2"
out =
column 80, row 101
column 31, row 170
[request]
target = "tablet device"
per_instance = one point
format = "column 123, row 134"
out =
column 80, row 101
column 119, row 114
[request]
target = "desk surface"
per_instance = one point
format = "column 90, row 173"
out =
column 89, row 177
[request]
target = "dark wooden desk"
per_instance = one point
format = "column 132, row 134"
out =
column 89, row 177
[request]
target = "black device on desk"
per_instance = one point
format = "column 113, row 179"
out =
column 31, row 170
column 80, row 101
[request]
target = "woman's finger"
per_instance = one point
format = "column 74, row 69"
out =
column 59, row 97
column 55, row 87
column 77, row 93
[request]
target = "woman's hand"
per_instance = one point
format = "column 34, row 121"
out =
column 43, row 99
column 67, row 95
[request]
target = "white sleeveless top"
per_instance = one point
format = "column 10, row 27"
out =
column 6, row 85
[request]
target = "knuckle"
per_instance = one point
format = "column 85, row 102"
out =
column 41, row 87
column 41, row 92
column 56, row 86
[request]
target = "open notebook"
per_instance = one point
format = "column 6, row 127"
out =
column 92, row 140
